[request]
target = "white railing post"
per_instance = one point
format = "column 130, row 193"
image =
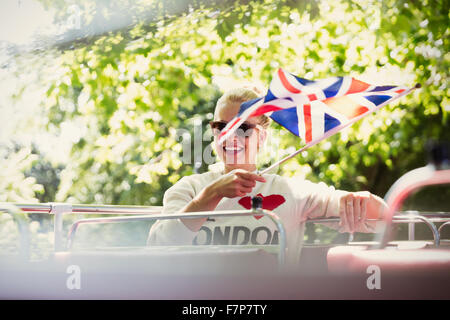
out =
column 59, row 209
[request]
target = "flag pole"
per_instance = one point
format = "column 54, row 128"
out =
column 336, row 129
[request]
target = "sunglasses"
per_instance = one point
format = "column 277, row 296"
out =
column 245, row 129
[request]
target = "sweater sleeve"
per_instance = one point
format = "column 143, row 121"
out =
column 173, row 231
column 317, row 200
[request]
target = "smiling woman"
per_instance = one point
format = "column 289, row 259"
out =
column 240, row 151
column 294, row 199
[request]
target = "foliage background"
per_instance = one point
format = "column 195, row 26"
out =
column 97, row 120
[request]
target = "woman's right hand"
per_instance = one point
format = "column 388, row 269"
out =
column 236, row 183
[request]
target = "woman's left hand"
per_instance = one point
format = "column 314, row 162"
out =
column 356, row 207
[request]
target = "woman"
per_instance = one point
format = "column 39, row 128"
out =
column 293, row 199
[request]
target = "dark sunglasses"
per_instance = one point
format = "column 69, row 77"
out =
column 244, row 130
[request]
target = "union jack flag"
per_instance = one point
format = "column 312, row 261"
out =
column 314, row 110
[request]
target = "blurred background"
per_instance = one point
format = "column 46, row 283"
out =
column 94, row 95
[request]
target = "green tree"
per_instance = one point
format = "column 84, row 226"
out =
column 132, row 88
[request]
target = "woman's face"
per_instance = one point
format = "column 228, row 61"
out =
column 239, row 150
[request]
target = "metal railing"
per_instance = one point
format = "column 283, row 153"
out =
column 24, row 232
column 404, row 217
column 442, row 227
column 204, row 214
column 410, row 182
column 60, row 209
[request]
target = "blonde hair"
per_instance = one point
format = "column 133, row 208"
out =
column 240, row 95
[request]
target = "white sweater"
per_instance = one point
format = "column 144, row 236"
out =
column 294, row 200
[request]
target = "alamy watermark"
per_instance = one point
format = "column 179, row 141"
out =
column 74, row 19
column 374, row 280
column 199, row 146
column 73, row 281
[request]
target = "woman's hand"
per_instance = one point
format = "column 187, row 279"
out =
column 356, row 207
column 236, row 183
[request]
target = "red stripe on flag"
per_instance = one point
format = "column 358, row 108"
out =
column 345, row 106
column 265, row 108
column 286, row 83
column 400, row 91
column 308, row 127
column 359, row 111
column 312, row 97
column 224, row 132
column 357, row 86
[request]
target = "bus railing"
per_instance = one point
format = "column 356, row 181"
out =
column 404, row 218
column 60, row 209
column 189, row 215
column 128, row 213
column 410, row 182
column 442, row 227
column 24, row 233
